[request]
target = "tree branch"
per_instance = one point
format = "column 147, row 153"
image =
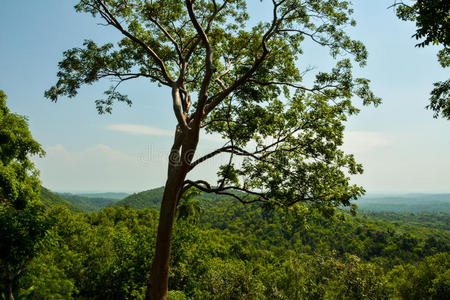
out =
column 294, row 85
column 260, row 154
column 204, row 186
column 269, row 33
column 203, row 93
column 167, row 34
column 111, row 19
column 178, row 109
column 128, row 76
column 219, row 78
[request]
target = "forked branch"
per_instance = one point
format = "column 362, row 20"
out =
column 111, row 19
column 204, row 186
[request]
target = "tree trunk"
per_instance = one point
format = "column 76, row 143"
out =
column 9, row 290
column 159, row 277
column 186, row 143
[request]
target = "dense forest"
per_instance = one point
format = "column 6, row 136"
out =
column 225, row 250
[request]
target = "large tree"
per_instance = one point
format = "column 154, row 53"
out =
column 432, row 18
column 22, row 219
column 241, row 79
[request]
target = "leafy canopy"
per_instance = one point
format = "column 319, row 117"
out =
column 19, row 182
column 22, row 220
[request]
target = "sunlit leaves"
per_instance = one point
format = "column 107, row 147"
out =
column 19, row 182
column 105, row 106
column 22, row 220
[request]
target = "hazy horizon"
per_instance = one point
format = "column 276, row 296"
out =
column 367, row 194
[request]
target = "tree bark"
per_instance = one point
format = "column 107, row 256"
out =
column 9, row 290
column 186, row 141
column 178, row 168
column 159, row 277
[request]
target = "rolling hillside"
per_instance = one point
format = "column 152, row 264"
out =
column 115, row 196
column 146, row 199
column 51, row 199
column 88, row 203
column 376, row 203
column 79, row 203
column 152, row 199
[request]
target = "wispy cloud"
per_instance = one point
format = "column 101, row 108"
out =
column 139, row 129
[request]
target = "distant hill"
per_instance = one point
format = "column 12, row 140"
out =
column 51, row 199
column 146, row 199
column 406, row 203
column 152, row 199
column 116, row 196
column 376, row 203
column 88, row 203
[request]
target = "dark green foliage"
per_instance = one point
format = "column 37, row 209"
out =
column 326, row 277
column 231, row 279
column 238, row 251
column 102, row 255
column 21, row 232
column 189, row 208
column 430, row 279
column 19, row 182
column 23, row 223
column 309, row 233
column 432, row 21
column 440, row 98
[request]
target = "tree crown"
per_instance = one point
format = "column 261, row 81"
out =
column 247, row 84
column 19, row 182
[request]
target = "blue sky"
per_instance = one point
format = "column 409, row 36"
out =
column 401, row 146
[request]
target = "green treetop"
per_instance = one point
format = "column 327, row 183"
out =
column 22, row 220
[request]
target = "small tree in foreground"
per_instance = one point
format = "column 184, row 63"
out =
column 22, row 218
column 242, row 82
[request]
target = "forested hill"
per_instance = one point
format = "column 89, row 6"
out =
column 88, row 203
column 51, row 199
column 80, row 203
column 152, row 199
column 115, row 196
column 398, row 203
column 146, row 199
